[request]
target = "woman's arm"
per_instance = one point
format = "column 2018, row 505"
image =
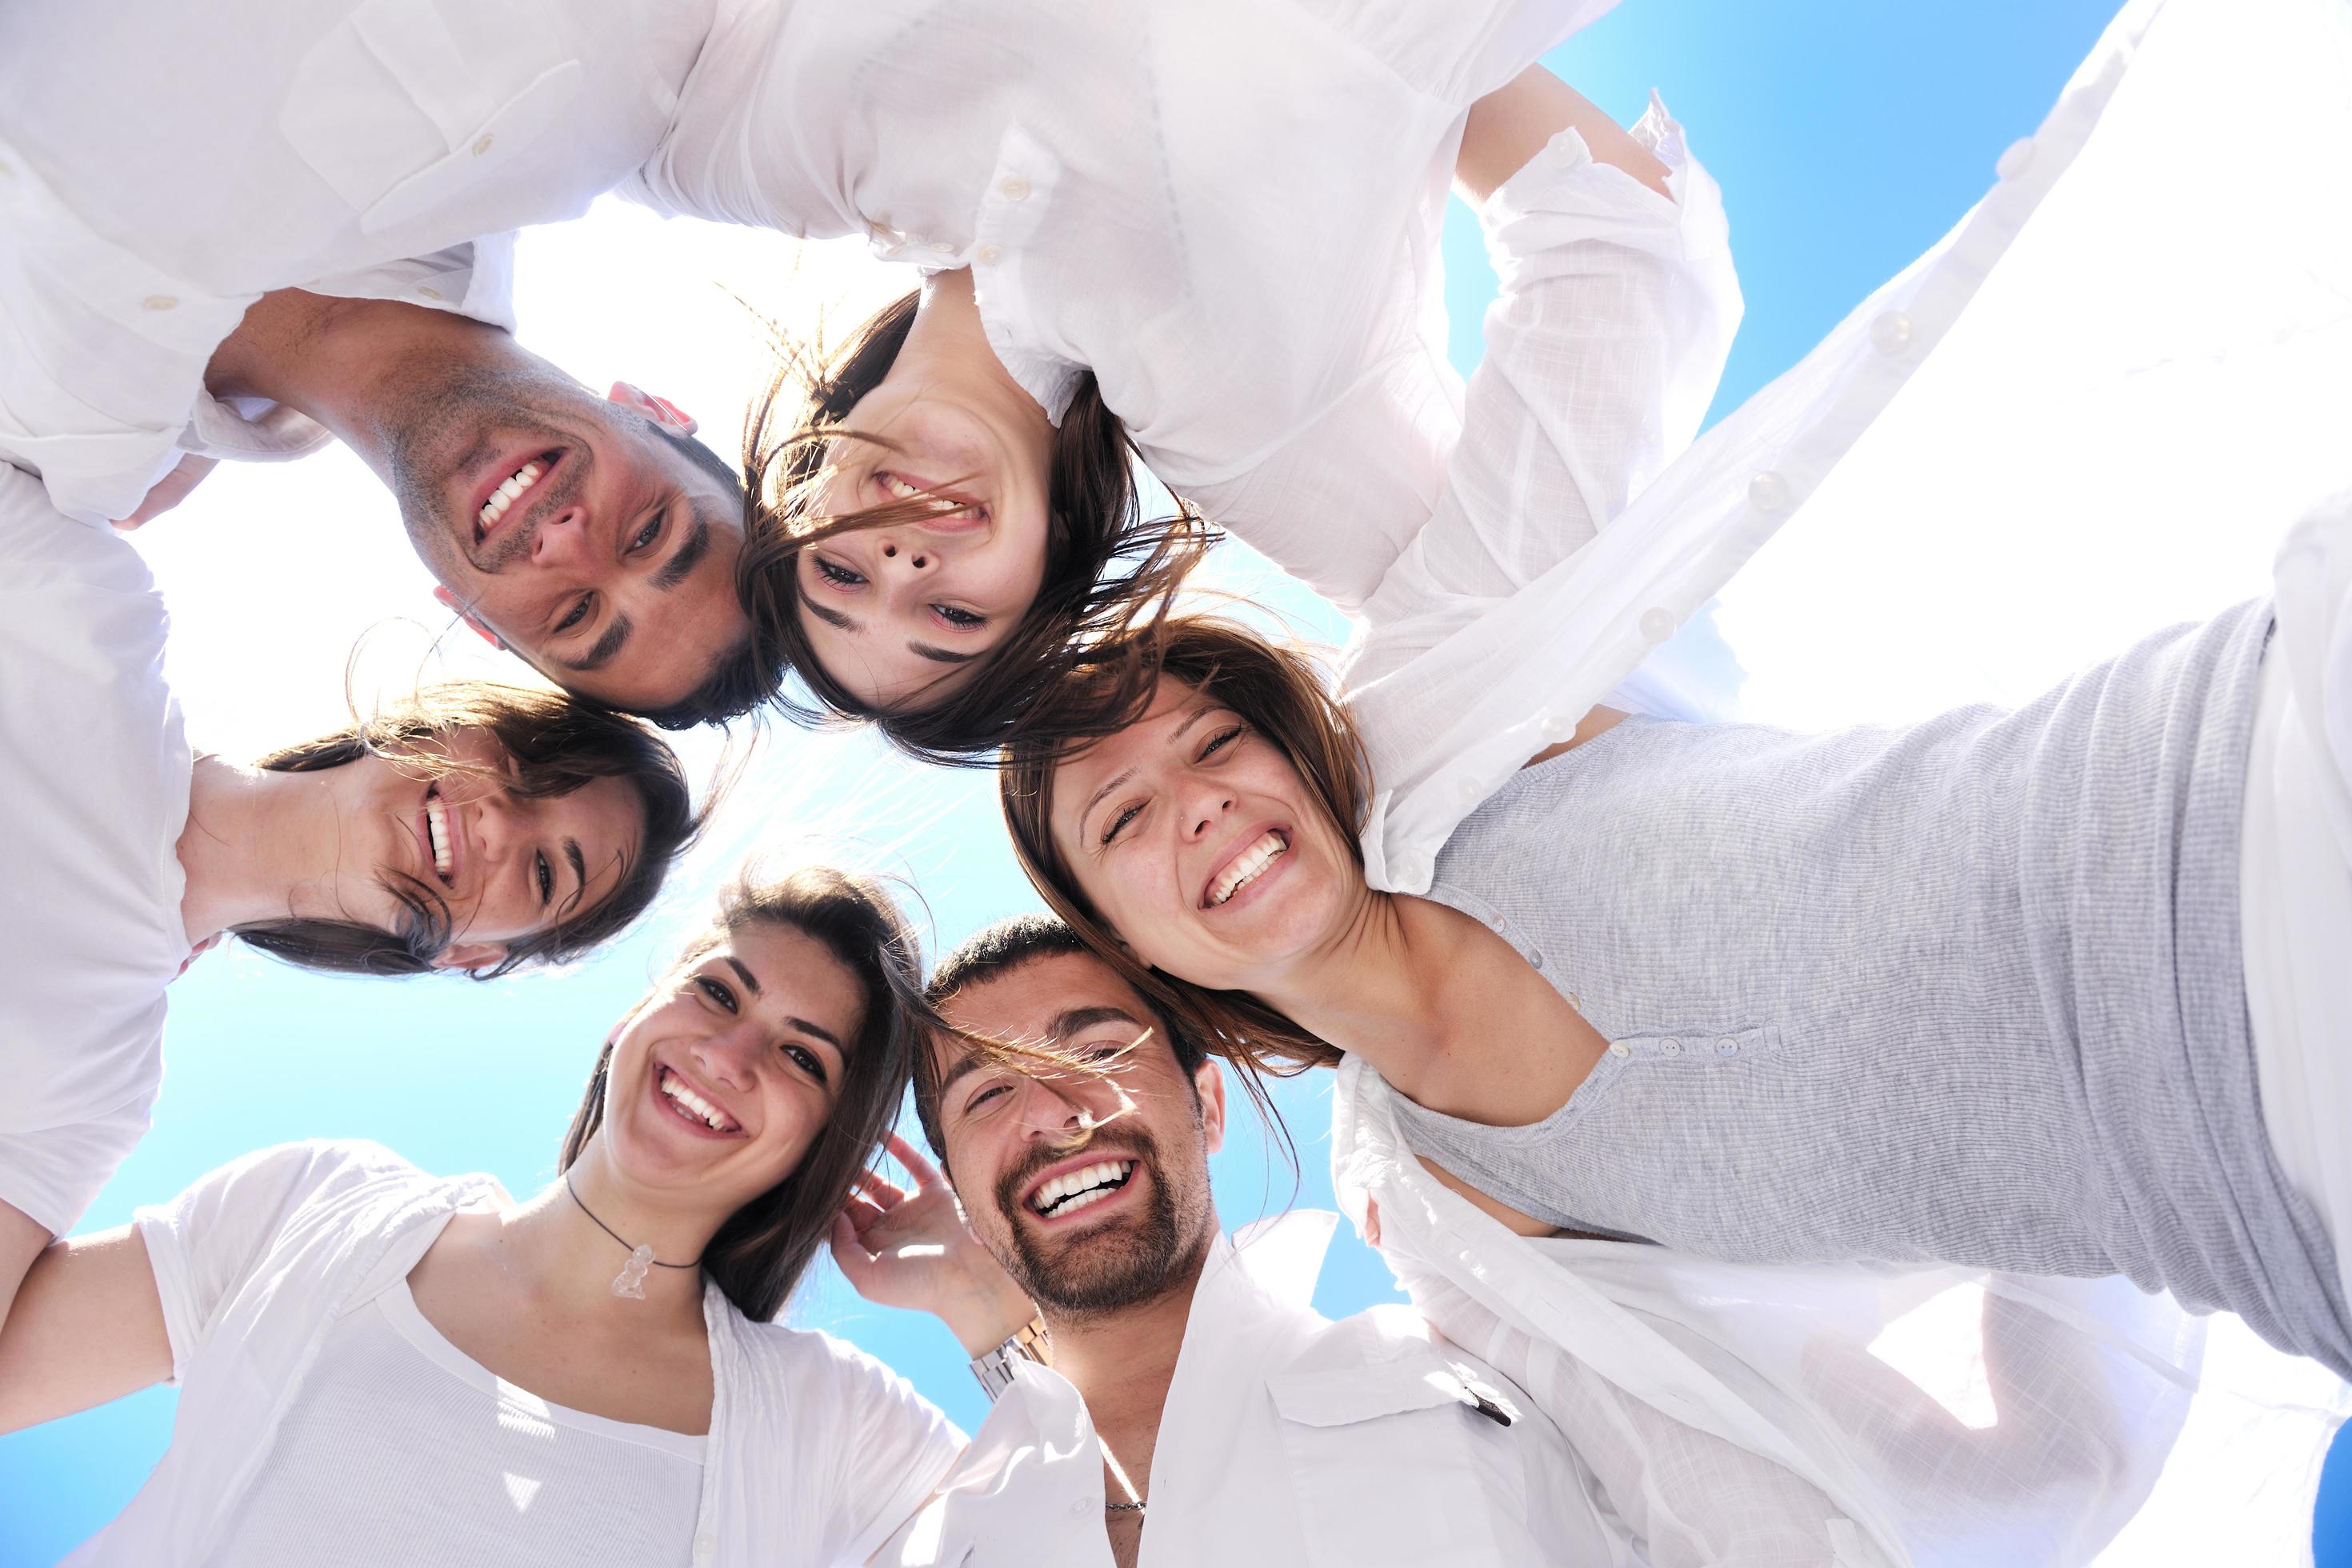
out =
column 86, row 1326
column 1510, row 125
column 21, row 1240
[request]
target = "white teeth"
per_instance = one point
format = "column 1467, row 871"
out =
column 436, row 829
column 1076, row 1189
column 899, row 488
column 1247, row 867
column 675, row 1087
column 521, row 479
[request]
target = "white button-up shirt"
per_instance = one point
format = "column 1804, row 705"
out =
column 1289, row 1439
column 163, row 165
column 1228, row 210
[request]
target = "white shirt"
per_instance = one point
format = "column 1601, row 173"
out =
column 1483, row 652
column 1228, row 210
column 1950, row 1415
column 392, row 1412
column 95, row 772
column 816, row 1452
column 367, row 148
column 1289, row 1439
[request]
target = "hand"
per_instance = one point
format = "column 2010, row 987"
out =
column 910, row 1246
column 169, row 491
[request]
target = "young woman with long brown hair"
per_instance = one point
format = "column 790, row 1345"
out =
column 379, row 1364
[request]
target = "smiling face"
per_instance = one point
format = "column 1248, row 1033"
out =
column 898, row 612
column 574, row 529
column 723, row 1078
column 1089, row 1228
column 508, row 866
column 1196, row 840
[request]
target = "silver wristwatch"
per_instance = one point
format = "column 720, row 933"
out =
column 1030, row 1341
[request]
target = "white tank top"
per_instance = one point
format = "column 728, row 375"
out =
column 400, row 1449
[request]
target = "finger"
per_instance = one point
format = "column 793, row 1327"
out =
column 887, row 1194
column 917, row 1165
column 849, row 1254
column 861, row 1214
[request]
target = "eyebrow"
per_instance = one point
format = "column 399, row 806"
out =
column 939, row 654
column 579, row 869
column 1095, row 799
column 686, row 557
column 830, row 616
column 1077, row 1020
column 607, row 645
column 802, row 1025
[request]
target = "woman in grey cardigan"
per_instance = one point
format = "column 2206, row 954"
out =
column 1968, row 991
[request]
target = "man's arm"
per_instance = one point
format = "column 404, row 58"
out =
column 1513, row 124
column 86, row 1326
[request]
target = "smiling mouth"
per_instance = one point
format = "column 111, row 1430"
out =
column 510, row 492
column 1074, row 1190
column 691, row 1106
column 954, row 510
column 1247, row 867
column 438, row 839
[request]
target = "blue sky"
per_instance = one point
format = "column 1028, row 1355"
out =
column 1847, row 135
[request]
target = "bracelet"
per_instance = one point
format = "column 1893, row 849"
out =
column 1030, row 1341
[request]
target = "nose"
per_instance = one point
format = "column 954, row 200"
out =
column 562, row 541
column 906, row 556
column 1052, row 1108
column 1204, row 807
column 731, row 1057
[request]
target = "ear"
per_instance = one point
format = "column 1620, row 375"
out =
column 660, row 410
column 470, row 955
column 448, row 601
column 1209, row 1083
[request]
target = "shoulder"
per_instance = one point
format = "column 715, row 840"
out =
column 802, row 1360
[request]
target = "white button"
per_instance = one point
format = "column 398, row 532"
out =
column 990, row 255
column 1468, row 789
column 482, row 143
column 1672, row 1047
column 1767, row 491
column 1727, row 1045
column 1568, row 154
column 1891, row 332
column 427, row 291
column 1620, row 1049
column 942, row 246
column 2015, row 159
column 1657, row 625
column 1079, row 1509
column 1535, row 958
column 1558, row 727
column 159, row 302
column 706, row 1546
column 1015, row 189
column 1497, row 921
column 1576, row 1001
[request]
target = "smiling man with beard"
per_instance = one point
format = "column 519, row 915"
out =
column 1178, row 1401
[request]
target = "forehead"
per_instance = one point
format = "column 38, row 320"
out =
column 1078, row 773
column 797, row 974
column 1024, row 1002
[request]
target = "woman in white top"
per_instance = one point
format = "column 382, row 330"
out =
column 1235, row 278
column 380, row 1366
column 474, row 827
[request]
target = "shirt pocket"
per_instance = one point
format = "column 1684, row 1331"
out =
column 1373, row 1449
column 395, row 116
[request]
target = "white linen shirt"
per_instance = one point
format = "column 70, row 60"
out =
column 1481, row 651
column 1226, row 209
column 1950, row 1414
column 373, row 149
column 95, row 770
column 815, row 1452
column 1289, row 1439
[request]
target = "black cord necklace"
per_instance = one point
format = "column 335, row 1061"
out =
column 631, row 1281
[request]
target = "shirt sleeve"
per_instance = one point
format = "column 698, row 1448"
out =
column 893, row 1448
column 210, row 1242
column 1616, row 312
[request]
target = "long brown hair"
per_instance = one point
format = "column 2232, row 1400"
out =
column 1278, row 691
column 1108, row 571
column 554, row 744
column 760, row 1253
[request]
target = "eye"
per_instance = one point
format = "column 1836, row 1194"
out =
column 992, row 1092
column 545, row 876
column 1219, row 741
column 962, row 620
column 578, row 614
column 717, row 991
column 647, row 535
column 806, row 1061
column 840, row 576
column 1124, row 818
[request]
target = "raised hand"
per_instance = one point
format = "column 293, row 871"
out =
column 908, row 1247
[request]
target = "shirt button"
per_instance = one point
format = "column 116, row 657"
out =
column 2015, row 159
column 990, row 255
column 1468, row 789
column 1891, row 332
column 1079, row 1509
column 1672, row 1047
column 706, row 1546
column 1535, row 958
column 159, row 302
column 482, row 143
column 1015, row 189
column 1620, row 1048
column 427, row 291
column 1557, row 727
column 1657, row 625
column 1727, row 1046
column 1576, row 1001
column 1767, row 491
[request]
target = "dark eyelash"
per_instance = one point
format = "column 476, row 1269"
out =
column 983, row 1097
column 963, row 620
column 579, row 613
column 1218, row 740
column 546, row 881
column 648, row 535
column 716, row 991
column 1123, row 818
column 808, row 1060
column 835, row 574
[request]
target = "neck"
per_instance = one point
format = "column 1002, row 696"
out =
column 258, row 846
column 1122, row 1362
column 1386, row 988
column 568, row 1262
column 341, row 361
